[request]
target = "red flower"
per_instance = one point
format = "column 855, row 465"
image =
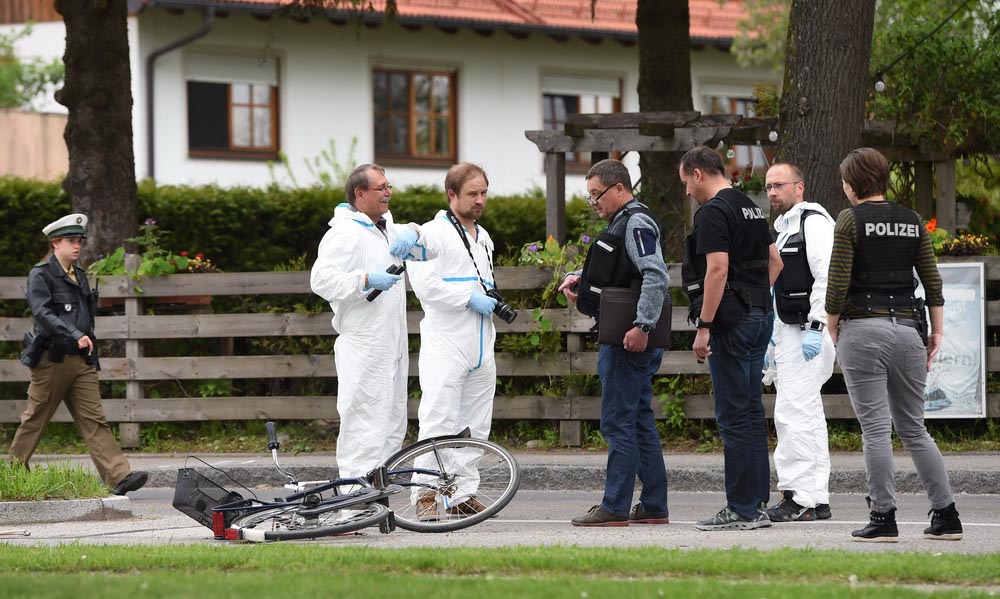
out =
column 184, row 253
column 200, row 256
column 931, row 225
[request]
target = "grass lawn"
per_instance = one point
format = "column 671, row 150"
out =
column 54, row 481
column 304, row 570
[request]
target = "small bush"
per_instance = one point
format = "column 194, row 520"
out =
column 56, row 481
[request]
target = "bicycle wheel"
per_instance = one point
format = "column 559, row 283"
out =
column 453, row 482
column 296, row 521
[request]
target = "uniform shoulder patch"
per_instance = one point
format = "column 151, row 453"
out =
column 645, row 241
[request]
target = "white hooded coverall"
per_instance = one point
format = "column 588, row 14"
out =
column 802, row 456
column 457, row 367
column 371, row 348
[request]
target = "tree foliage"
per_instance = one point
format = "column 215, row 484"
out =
column 943, row 94
column 24, row 81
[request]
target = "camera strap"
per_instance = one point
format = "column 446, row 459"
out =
column 468, row 247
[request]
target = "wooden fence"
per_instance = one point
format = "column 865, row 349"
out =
column 135, row 328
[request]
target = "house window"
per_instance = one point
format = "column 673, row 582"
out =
column 745, row 156
column 232, row 107
column 414, row 116
column 565, row 95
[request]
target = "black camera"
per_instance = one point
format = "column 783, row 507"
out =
column 504, row 311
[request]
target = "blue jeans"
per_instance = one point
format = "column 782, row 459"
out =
column 736, row 363
column 629, row 428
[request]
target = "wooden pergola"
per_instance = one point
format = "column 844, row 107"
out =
column 601, row 134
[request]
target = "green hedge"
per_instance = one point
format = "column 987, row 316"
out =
column 253, row 229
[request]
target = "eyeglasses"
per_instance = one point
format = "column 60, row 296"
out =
column 382, row 188
column 593, row 201
column 771, row 186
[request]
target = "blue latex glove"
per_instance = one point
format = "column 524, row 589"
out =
column 482, row 303
column 403, row 243
column 379, row 279
column 769, row 354
column 811, row 344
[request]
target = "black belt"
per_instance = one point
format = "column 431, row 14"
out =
column 906, row 322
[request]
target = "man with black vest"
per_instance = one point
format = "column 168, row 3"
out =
column 885, row 350
column 729, row 267
column 627, row 254
column 802, row 353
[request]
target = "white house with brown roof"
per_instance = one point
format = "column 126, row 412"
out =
column 233, row 82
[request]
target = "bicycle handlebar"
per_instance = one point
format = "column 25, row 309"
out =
column 272, row 436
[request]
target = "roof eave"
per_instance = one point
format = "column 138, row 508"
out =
column 375, row 18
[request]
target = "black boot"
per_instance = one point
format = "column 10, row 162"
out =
column 945, row 524
column 881, row 527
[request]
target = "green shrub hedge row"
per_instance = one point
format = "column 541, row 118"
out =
column 252, row 229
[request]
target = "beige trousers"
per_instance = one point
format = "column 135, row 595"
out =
column 75, row 382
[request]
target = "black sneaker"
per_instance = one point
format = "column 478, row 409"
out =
column 881, row 527
column 133, row 481
column 787, row 510
column 727, row 519
column 820, row 512
column 945, row 524
column 596, row 516
column 641, row 516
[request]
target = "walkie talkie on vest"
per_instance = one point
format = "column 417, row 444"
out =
column 395, row 269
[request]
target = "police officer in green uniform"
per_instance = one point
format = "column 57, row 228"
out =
column 883, row 348
column 62, row 356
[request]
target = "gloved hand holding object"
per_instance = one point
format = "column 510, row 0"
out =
column 404, row 242
column 382, row 280
column 482, row 303
column 812, row 342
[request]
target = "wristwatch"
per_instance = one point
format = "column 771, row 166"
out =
column 645, row 328
column 703, row 324
column 816, row 325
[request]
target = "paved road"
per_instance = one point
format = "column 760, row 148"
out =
column 538, row 517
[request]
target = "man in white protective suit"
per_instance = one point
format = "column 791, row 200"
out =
column 371, row 347
column 457, row 368
column 801, row 355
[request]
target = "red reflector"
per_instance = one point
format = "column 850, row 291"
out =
column 232, row 534
column 219, row 525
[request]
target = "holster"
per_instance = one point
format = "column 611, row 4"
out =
column 62, row 347
column 923, row 329
column 34, row 345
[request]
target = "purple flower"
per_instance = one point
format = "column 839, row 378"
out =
column 150, row 221
column 533, row 247
column 585, row 239
column 100, row 256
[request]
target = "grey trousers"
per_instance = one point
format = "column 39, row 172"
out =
column 885, row 368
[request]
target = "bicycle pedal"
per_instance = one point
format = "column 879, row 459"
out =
column 388, row 525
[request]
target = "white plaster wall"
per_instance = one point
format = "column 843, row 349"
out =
column 325, row 92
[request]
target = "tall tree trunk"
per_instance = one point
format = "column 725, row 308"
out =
column 97, row 92
column 664, row 84
column 823, row 103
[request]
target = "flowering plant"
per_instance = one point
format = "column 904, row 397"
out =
column 156, row 261
column 747, row 181
column 967, row 244
column 938, row 235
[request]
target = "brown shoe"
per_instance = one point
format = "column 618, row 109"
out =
column 641, row 516
column 598, row 517
column 469, row 507
column 427, row 509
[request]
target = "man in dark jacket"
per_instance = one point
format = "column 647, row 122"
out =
column 63, row 357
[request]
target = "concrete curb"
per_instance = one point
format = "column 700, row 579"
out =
column 64, row 510
column 588, row 477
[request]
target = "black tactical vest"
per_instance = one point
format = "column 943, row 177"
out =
column 607, row 263
column 747, row 276
column 794, row 284
column 888, row 240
